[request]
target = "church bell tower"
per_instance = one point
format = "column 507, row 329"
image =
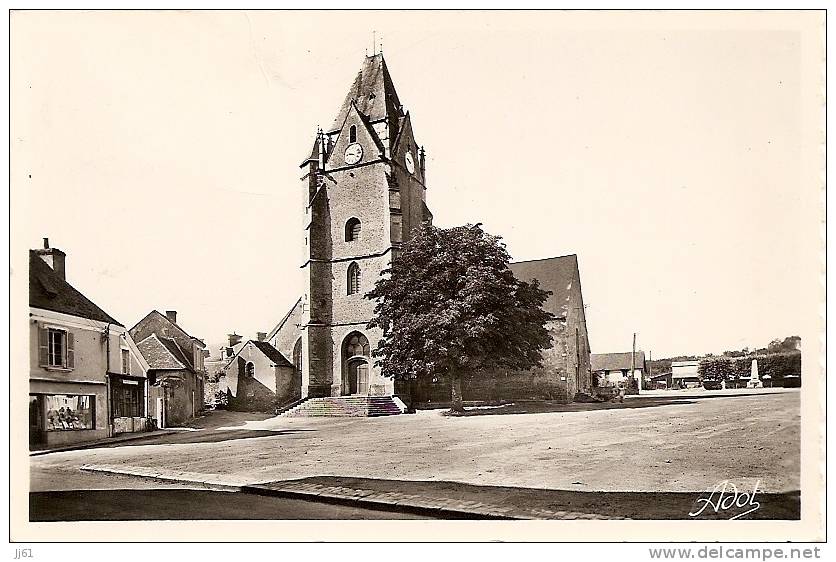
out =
column 364, row 191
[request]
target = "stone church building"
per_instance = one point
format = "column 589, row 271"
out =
column 364, row 190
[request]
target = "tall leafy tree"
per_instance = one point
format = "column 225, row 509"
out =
column 448, row 306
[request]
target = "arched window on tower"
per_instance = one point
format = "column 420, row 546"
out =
column 352, row 133
column 352, row 230
column 356, row 345
column 250, row 369
column 353, row 279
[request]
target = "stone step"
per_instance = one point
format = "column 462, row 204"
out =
column 345, row 406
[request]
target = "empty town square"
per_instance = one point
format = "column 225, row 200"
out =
column 494, row 275
column 519, row 460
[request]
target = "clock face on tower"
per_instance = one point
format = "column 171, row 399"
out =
column 410, row 163
column 353, row 153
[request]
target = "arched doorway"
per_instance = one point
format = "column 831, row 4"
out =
column 355, row 364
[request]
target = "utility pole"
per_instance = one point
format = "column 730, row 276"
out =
column 633, row 366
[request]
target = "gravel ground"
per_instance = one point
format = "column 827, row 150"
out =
column 675, row 442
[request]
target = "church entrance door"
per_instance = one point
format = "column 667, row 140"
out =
column 356, row 364
column 358, row 377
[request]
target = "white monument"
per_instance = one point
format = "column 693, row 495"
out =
column 754, row 379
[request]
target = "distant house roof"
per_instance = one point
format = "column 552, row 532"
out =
column 47, row 290
column 692, row 363
column 554, row 274
column 167, row 319
column 161, row 353
column 142, row 328
column 685, row 369
column 616, row 361
column 268, row 350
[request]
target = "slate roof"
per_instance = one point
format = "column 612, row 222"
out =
column 374, row 94
column 615, row 361
column 272, row 353
column 268, row 350
column 554, row 274
column 176, row 325
column 278, row 326
column 159, row 353
column 47, row 290
column 183, row 355
column 314, row 155
column 177, row 351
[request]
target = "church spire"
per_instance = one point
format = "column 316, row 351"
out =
column 374, row 95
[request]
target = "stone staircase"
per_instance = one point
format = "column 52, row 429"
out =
column 346, row 406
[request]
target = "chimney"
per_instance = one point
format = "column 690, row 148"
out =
column 234, row 339
column 171, row 315
column 261, row 336
column 54, row 258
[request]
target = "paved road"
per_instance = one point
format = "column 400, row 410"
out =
column 677, row 442
column 184, row 504
column 670, row 444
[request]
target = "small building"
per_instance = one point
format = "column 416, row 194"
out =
column 215, row 375
column 259, row 379
column 129, row 389
column 614, row 369
column 87, row 380
column 684, row 374
column 176, row 371
column 661, row 381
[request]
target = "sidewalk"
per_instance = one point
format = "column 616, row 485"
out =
column 365, row 493
column 401, row 497
column 456, row 500
column 106, row 441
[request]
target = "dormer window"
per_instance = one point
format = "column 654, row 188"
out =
column 352, row 230
column 352, row 134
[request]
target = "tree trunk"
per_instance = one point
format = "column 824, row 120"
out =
column 410, row 409
column 456, row 406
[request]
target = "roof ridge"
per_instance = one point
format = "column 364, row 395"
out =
column 280, row 325
column 188, row 363
column 165, row 347
column 63, row 295
column 544, row 259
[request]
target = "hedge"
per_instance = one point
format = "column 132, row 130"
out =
column 775, row 365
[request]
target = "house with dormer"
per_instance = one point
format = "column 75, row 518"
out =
column 87, row 379
column 176, row 372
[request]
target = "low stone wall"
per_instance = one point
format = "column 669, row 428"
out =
column 129, row 425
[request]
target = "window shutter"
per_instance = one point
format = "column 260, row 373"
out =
column 43, row 347
column 70, row 350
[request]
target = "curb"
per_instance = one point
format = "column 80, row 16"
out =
column 99, row 443
column 379, row 505
column 348, row 500
column 162, row 476
column 443, row 508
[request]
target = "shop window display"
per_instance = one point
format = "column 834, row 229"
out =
column 66, row 412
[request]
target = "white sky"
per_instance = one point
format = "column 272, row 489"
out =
column 163, row 150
